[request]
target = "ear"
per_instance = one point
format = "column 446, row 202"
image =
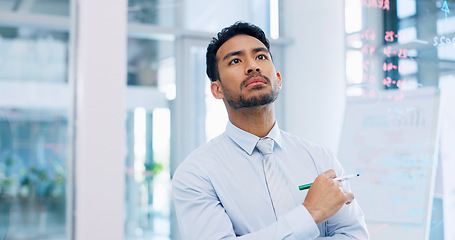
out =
column 278, row 75
column 217, row 91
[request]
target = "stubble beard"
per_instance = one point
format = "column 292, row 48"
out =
column 241, row 101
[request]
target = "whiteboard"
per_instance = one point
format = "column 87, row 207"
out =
column 391, row 140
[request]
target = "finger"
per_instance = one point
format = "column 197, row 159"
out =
column 339, row 183
column 350, row 197
column 330, row 173
column 344, row 190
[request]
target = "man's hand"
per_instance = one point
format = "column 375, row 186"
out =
column 325, row 197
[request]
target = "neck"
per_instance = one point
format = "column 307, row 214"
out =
column 258, row 121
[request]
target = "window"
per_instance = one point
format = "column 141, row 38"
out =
column 36, row 108
column 167, row 41
column 151, row 84
column 35, row 120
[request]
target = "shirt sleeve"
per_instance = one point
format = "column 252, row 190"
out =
column 348, row 223
column 200, row 214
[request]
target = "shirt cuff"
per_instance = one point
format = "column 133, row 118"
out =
column 302, row 223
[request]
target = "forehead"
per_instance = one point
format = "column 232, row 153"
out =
column 239, row 43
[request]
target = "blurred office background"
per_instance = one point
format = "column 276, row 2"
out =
column 101, row 100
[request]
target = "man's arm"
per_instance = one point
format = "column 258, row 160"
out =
column 201, row 215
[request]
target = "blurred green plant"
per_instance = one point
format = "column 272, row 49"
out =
column 153, row 168
column 31, row 181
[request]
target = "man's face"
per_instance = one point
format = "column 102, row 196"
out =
column 247, row 75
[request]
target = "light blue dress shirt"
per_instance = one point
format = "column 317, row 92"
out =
column 220, row 191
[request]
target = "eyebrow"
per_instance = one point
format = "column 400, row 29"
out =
column 236, row 53
column 260, row 49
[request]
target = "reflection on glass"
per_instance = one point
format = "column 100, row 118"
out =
column 34, row 116
column 446, row 26
column 445, row 41
column 47, row 7
column 354, row 67
column 162, row 184
column 33, row 156
column 407, row 67
column 406, row 8
column 33, row 55
column 446, row 52
column 274, row 19
column 354, row 91
column 411, row 84
column 155, row 12
column 152, row 63
column 353, row 16
column 147, row 176
column 407, row 34
column 415, row 42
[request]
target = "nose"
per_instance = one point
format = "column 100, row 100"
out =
column 251, row 70
column 253, row 67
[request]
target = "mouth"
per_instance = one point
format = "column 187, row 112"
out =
column 255, row 81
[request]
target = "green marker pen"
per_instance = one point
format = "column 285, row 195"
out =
column 306, row 186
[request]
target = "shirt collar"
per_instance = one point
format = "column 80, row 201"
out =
column 247, row 141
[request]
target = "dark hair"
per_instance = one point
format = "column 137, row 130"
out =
column 225, row 34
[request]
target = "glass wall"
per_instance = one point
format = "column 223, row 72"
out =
column 151, row 71
column 35, row 119
column 397, row 51
column 151, row 85
column 166, row 58
column 403, row 44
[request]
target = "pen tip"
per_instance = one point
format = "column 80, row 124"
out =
column 358, row 174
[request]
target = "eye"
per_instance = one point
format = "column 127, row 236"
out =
column 234, row 61
column 262, row 57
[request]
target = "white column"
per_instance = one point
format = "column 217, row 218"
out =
column 314, row 79
column 100, row 119
column 447, row 152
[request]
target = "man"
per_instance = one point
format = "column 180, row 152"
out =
column 233, row 187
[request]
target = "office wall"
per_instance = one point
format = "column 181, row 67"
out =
column 314, row 79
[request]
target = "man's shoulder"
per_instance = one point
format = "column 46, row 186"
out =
column 209, row 148
column 205, row 153
column 201, row 162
